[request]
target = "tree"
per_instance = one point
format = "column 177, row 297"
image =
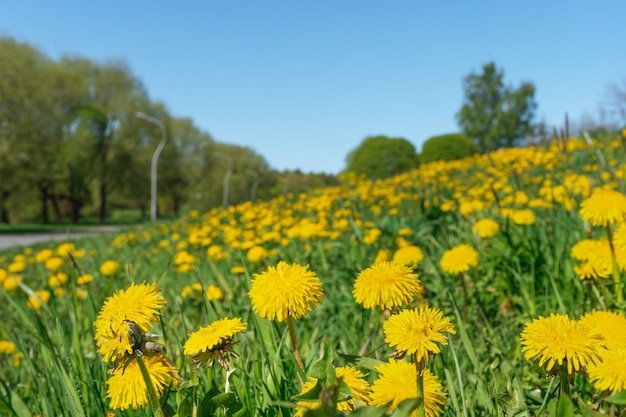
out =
column 447, row 148
column 493, row 114
column 381, row 157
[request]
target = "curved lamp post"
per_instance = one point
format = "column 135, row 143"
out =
column 227, row 175
column 255, row 183
column 155, row 159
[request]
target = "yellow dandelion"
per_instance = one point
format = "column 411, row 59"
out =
column 397, row 382
column 485, row 228
column 16, row 267
column 65, row 249
column 418, row 332
column 356, row 382
column 34, row 303
column 286, row 290
column 582, row 249
column 593, row 268
column 43, row 255
column 619, row 237
column 459, row 259
column 139, row 304
column 213, row 342
column 560, row 341
column 524, row 217
column 17, row 359
column 604, row 207
column 256, row 254
column 383, row 255
column 213, row 293
column 237, row 270
column 7, row 347
column 409, row 255
column 109, row 268
column 610, row 374
column 127, row 388
column 84, row 279
column 611, row 325
column 11, row 282
column 386, row 285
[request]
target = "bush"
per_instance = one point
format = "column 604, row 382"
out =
column 382, row 157
column 447, row 148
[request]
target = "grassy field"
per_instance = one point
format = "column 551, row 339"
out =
column 487, row 286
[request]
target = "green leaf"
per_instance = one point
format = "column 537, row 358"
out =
column 323, row 369
column 185, row 408
column 406, row 407
column 565, row 408
column 369, row 412
column 617, row 399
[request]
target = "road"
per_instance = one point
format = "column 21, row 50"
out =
column 26, row 239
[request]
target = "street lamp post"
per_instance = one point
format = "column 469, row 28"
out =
column 227, row 175
column 255, row 183
column 155, row 159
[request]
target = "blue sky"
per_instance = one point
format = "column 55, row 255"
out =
column 303, row 82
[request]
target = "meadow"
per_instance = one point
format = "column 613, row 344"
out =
column 490, row 285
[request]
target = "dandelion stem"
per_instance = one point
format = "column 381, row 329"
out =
column 616, row 272
column 294, row 345
column 152, row 396
column 419, row 375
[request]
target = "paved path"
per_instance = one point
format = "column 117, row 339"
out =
column 26, row 239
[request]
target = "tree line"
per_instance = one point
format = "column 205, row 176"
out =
column 71, row 146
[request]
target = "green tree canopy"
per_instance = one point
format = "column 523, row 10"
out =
column 382, row 156
column 493, row 114
column 447, row 147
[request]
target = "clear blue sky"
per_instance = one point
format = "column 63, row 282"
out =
column 303, row 82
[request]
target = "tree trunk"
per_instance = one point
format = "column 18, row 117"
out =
column 4, row 212
column 76, row 205
column 143, row 209
column 103, row 203
column 45, row 219
column 58, row 216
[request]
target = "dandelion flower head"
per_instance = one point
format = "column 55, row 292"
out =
column 459, row 259
column 610, row 374
column 604, row 207
column 485, row 228
column 409, row 255
column 559, row 340
column 127, row 388
column 140, row 304
column 214, row 341
column 286, row 290
column 386, row 285
column 356, row 382
column 397, row 381
column 418, row 332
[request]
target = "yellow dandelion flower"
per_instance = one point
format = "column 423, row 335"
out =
column 286, row 290
column 17, row 359
column 7, row 347
column 485, row 228
column 256, row 254
column 213, row 293
column 459, row 259
column 3, row 275
column 559, row 340
column 11, row 283
column 582, row 249
column 43, row 255
column 213, row 342
column 127, row 388
column 139, row 304
column 237, row 270
column 593, row 268
column 611, row 325
column 16, row 267
column 65, row 249
column 109, row 268
column 84, row 279
column 397, row 382
column 604, row 207
column 524, row 217
column 409, row 255
column 610, row 374
column 356, row 382
column 53, row 264
column 386, row 285
column 417, row 332
column 383, row 255
column 34, row 303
